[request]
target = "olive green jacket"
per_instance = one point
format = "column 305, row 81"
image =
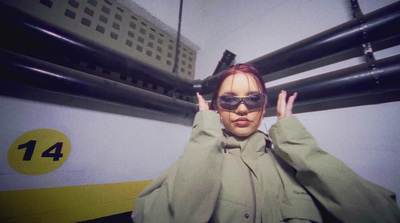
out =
column 221, row 178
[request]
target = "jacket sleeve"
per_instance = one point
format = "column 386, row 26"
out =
column 188, row 190
column 335, row 186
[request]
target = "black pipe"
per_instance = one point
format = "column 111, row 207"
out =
column 226, row 61
column 333, row 45
column 40, row 74
column 354, row 82
column 317, row 90
column 377, row 25
column 42, row 40
column 178, row 39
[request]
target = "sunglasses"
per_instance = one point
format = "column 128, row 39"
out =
column 252, row 102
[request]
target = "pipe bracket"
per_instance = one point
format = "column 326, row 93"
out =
column 367, row 47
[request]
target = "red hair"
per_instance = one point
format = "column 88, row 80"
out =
column 241, row 67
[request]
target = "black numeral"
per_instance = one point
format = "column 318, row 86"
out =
column 57, row 151
column 30, row 146
column 54, row 151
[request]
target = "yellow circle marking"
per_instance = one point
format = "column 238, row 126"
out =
column 39, row 151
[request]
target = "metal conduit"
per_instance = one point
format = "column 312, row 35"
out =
column 333, row 45
column 46, row 41
column 336, row 89
column 40, row 74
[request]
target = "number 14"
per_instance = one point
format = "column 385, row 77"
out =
column 54, row 151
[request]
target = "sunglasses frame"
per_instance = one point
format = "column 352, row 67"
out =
column 242, row 100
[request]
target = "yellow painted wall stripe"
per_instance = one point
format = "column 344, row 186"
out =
column 69, row 204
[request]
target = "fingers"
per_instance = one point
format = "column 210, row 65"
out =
column 289, row 105
column 284, row 109
column 203, row 105
column 281, row 105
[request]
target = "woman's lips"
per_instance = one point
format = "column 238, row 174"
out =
column 242, row 122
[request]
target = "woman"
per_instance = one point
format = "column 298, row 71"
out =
column 233, row 175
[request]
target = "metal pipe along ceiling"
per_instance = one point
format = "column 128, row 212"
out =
column 352, row 86
column 356, row 85
column 44, row 75
column 333, row 45
column 47, row 41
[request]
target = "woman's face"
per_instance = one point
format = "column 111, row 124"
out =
column 241, row 121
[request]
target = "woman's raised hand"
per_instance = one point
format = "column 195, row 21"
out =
column 284, row 109
column 203, row 105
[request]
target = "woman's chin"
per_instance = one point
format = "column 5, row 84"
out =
column 242, row 132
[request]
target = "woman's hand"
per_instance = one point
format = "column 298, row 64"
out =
column 203, row 105
column 285, row 109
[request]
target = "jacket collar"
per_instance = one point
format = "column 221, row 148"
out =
column 251, row 146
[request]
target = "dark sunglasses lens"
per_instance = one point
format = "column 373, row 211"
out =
column 254, row 101
column 229, row 102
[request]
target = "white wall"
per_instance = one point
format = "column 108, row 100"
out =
column 106, row 147
column 110, row 147
column 367, row 138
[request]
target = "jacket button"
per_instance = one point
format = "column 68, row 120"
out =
column 246, row 215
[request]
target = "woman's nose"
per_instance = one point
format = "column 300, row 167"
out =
column 242, row 109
